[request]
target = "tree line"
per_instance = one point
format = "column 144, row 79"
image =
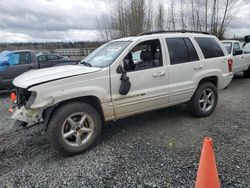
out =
column 48, row 45
column 131, row 17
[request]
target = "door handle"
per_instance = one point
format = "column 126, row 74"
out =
column 198, row 67
column 158, row 74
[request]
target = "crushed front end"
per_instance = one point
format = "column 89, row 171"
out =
column 21, row 101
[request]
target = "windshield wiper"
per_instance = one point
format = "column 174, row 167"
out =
column 85, row 63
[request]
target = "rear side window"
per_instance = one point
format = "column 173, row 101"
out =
column 24, row 58
column 181, row 50
column 209, row 47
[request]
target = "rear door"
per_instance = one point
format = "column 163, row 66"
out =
column 19, row 63
column 184, row 65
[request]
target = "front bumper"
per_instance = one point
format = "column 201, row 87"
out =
column 29, row 116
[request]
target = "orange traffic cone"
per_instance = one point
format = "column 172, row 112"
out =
column 207, row 175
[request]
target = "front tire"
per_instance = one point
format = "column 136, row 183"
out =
column 74, row 128
column 204, row 100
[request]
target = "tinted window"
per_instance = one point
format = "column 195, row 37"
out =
column 191, row 49
column 181, row 50
column 209, row 47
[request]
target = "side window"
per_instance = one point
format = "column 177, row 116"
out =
column 192, row 52
column 24, row 58
column 14, row 59
column 42, row 59
column 181, row 50
column 20, row 58
column 228, row 46
column 236, row 46
column 209, row 47
column 53, row 57
column 144, row 55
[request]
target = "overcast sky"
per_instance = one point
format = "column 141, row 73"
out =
column 69, row 20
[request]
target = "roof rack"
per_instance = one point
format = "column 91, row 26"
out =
column 172, row 31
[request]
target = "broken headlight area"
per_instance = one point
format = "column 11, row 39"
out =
column 21, row 97
column 24, row 97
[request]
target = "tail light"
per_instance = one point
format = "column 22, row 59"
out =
column 230, row 65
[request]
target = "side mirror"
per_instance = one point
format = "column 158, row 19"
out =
column 119, row 69
column 238, row 52
column 125, row 84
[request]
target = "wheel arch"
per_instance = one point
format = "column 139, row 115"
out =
column 91, row 100
column 213, row 79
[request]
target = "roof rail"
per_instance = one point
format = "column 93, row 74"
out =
column 172, row 31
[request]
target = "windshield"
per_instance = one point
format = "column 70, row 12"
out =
column 106, row 54
column 228, row 46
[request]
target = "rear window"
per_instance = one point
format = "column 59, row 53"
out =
column 209, row 47
column 181, row 50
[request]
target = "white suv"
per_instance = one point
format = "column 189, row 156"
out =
column 122, row 78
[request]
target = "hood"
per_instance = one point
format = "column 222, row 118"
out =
column 35, row 77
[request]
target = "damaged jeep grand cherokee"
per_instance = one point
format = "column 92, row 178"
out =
column 123, row 77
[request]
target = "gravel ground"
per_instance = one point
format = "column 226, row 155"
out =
column 155, row 149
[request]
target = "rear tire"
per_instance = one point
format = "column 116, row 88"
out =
column 247, row 73
column 74, row 128
column 204, row 100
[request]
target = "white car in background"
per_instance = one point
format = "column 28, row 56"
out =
column 246, row 49
column 241, row 57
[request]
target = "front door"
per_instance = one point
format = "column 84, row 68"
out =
column 148, row 76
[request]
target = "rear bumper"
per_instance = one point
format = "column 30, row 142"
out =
column 226, row 80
